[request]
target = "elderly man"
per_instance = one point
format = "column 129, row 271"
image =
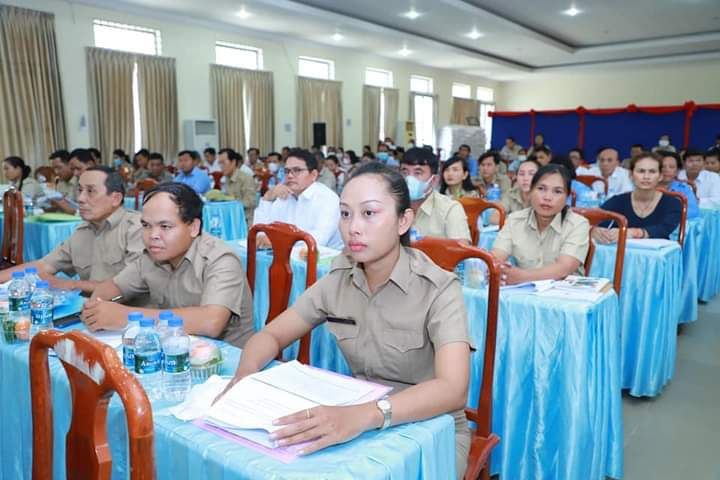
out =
column 707, row 183
column 608, row 167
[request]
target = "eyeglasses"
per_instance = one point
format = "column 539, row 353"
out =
column 295, row 171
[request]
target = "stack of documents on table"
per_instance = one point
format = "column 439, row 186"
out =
column 649, row 243
column 575, row 287
column 537, row 286
column 248, row 409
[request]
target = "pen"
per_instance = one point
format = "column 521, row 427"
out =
column 610, row 225
column 115, row 299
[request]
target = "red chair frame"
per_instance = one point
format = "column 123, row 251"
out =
column 143, row 186
column 590, row 180
column 683, row 215
column 474, row 207
column 217, row 180
column 13, row 229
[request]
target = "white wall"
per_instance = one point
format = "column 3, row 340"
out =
column 668, row 84
column 193, row 46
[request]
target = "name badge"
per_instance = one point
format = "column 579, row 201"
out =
column 344, row 321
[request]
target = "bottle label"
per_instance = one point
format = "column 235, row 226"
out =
column 41, row 316
column 147, row 363
column 129, row 357
column 19, row 304
column 177, row 363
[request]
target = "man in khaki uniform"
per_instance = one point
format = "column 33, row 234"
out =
column 436, row 215
column 237, row 183
column 65, row 182
column 194, row 274
column 490, row 172
column 156, row 169
column 109, row 238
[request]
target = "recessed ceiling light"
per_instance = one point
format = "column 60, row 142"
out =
column 474, row 34
column 572, row 11
column 412, row 14
column 337, row 36
column 404, row 52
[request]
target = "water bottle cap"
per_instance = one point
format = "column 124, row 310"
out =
column 175, row 321
column 42, row 284
column 147, row 322
column 135, row 316
column 166, row 315
column 31, row 270
column 18, row 275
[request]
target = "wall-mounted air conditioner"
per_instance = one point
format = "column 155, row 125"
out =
column 200, row 134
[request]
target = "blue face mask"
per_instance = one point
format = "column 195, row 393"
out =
column 416, row 187
column 117, row 162
column 383, row 156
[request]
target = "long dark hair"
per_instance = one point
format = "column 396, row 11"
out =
column 17, row 162
column 551, row 169
column 467, row 184
column 396, row 185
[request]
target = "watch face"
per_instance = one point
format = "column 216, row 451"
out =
column 384, row 405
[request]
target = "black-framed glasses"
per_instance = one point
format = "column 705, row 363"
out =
column 295, row 171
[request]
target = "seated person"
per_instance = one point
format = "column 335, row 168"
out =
column 649, row 213
column 579, row 189
column 192, row 273
column 542, row 155
column 635, row 150
column 238, row 183
column 140, row 165
column 518, row 197
column 548, row 240
column 302, row 201
column 80, row 160
column 671, row 165
column 333, row 165
column 109, row 238
column 707, row 184
column 120, row 158
column 510, row 150
column 190, row 174
column 326, row 176
column 608, row 167
column 538, row 144
column 415, row 300
column 472, row 162
column 18, row 175
column 490, row 172
column 436, row 215
column 455, row 179
column 210, row 162
column 156, row 169
column 521, row 157
column 664, row 144
column 65, row 181
column 577, row 158
column 712, row 160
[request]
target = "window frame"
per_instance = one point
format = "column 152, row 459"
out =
column 482, row 98
column 459, row 85
column 259, row 60
column 128, row 27
column 429, row 80
column 388, row 73
column 330, row 64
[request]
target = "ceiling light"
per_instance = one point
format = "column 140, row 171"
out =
column 572, row 11
column 474, row 34
column 337, row 36
column 243, row 14
column 404, row 52
column 412, row 14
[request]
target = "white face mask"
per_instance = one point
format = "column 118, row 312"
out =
column 346, row 160
column 273, row 167
column 664, row 143
column 522, row 158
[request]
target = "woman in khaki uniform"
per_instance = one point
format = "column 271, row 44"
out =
column 18, row 174
column 518, row 197
column 455, row 180
column 397, row 317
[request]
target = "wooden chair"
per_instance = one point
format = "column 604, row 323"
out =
column 95, row 372
column 46, row 172
column 13, row 229
column 474, row 207
column 126, row 172
column 263, row 175
column 217, row 180
column 143, row 186
column 683, row 216
column 590, row 180
column 447, row 254
column 283, row 237
column 573, row 198
column 596, row 216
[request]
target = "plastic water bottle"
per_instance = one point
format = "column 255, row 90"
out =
column 460, row 272
column 19, row 315
column 128, row 339
column 164, row 322
column 176, row 367
column 41, row 308
column 32, row 278
column 148, row 359
column 414, row 235
column 494, row 193
column 216, row 225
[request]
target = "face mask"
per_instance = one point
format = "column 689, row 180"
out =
column 117, row 162
column 273, row 167
column 383, row 156
column 416, row 187
column 346, row 160
column 664, row 143
column 522, row 158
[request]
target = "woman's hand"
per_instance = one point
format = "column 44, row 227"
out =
column 605, row 235
column 511, row 275
column 325, row 426
column 636, row 233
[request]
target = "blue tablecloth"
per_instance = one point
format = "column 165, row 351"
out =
column 40, row 238
column 557, row 387
column 709, row 255
column 233, row 225
column 691, row 256
column 183, row 451
column 649, row 310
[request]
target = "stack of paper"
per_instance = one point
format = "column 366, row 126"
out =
column 575, row 287
column 536, row 286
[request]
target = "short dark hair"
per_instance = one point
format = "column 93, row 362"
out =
column 232, row 155
column 396, row 186
column 306, row 156
column 273, row 154
column 209, row 150
column 156, row 156
column 693, row 152
column 193, row 154
column 95, row 153
column 421, row 156
column 713, row 152
column 113, row 180
column 83, row 155
column 120, row 153
column 490, row 154
column 510, row 138
column 333, row 157
column 465, row 145
column 467, row 184
column 643, row 155
column 369, row 155
column 62, row 154
column 189, row 203
column 578, row 150
column 143, row 151
column 253, row 149
column 542, row 148
column 638, row 145
column 564, row 162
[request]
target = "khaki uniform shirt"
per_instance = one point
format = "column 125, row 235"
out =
column 210, row 274
column 391, row 336
column 30, row 188
column 512, row 200
column 163, row 178
column 98, row 254
column 140, row 174
column 502, row 180
column 242, row 186
column 328, row 179
column 462, row 194
column 441, row 216
column 68, row 188
column 521, row 239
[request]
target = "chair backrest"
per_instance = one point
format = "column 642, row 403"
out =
column 596, row 216
column 447, row 253
column 590, row 180
column 474, row 207
column 13, row 227
column 95, row 372
column 171, row 169
column 683, row 215
column 263, row 175
column 217, row 180
column 47, row 172
column 573, row 198
column 143, row 186
column 283, row 237
column 125, row 172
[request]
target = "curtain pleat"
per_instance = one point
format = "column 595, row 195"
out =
column 319, row 101
column 157, row 86
column 392, row 99
column 371, row 115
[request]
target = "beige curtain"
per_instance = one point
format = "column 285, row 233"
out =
column 463, row 108
column 32, row 116
column 319, row 101
column 259, row 109
column 371, row 115
column 227, row 92
column 157, row 87
column 110, row 81
column 392, row 98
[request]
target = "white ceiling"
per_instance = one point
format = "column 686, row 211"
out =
column 520, row 37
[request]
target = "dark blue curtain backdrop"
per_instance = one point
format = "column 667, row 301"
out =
column 621, row 130
column 704, row 126
column 517, row 127
column 560, row 131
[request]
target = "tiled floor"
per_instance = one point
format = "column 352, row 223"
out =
column 676, row 436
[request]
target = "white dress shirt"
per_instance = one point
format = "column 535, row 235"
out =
column 707, row 185
column 618, row 182
column 316, row 211
column 215, row 167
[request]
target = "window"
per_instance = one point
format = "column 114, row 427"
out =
column 128, row 38
column 487, row 104
column 485, row 94
column 378, row 78
column 424, row 120
column 461, row 90
column 239, row 56
column 420, row 84
column 316, row 68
